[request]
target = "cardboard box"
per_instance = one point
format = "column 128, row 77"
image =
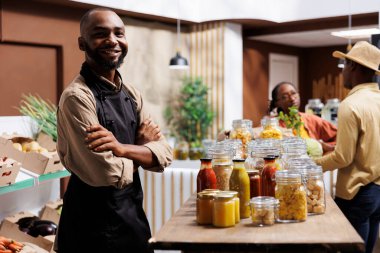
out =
column 46, row 141
column 8, row 172
column 39, row 163
column 50, row 211
column 10, row 229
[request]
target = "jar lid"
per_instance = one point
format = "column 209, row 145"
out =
column 264, row 201
column 233, row 193
column 211, row 190
column 206, row 159
column 270, row 157
column 206, row 195
column 224, row 196
column 288, row 175
column 238, row 160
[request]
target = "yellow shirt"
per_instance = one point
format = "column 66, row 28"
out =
column 357, row 150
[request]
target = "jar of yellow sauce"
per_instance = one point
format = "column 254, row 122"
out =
column 205, row 205
column 239, row 182
column 237, row 204
column 224, row 210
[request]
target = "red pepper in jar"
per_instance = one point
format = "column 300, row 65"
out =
column 254, row 183
column 268, row 175
column 206, row 178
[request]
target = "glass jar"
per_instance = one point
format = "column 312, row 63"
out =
column 222, row 166
column 196, row 153
column 316, row 202
column 242, row 130
column 293, row 152
column 235, row 146
column 270, row 128
column 330, row 111
column 314, row 106
column 205, row 205
column 223, row 210
column 291, row 193
column 239, row 182
column 260, row 148
column 263, row 211
column 237, row 204
column 254, row 183
column 181, row 150
column 268, row 176
column 206, row 178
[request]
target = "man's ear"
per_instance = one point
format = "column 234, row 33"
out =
column 81, row 44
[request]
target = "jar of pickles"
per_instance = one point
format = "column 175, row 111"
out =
column 242, row 129
column 222, row 166
column 316, row 202
column 239, row 182
column 264, row 210
column 206, row 178
column 205, row 205
column 291, row 193
column 270, row 128
column 223, row 210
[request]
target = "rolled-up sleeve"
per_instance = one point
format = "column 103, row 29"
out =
column 76, row 112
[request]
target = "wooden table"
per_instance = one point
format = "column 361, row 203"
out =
column 330, row 232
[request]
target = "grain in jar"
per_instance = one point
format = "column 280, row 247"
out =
column 263, row 210
column 242, row 130
column 222, row 165
column 291, row 194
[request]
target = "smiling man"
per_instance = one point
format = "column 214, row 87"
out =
column 104, row 136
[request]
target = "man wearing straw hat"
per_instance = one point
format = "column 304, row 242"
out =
column 357, row 151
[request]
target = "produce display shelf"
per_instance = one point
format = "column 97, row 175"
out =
column 26, row 179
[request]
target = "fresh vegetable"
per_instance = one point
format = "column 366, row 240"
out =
column 292, row 120
column 314, row 148
column 8, row 245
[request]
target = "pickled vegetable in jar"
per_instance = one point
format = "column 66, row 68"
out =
column 237, row 204
column 206, row 178
column 181, row 151
column 223, row 210
column 263, row 211
column 242, row 129
column 254, row 183
column 291, row 193
column 205, row 205
column 270, row 128
column 268, row 176
column 239, row 182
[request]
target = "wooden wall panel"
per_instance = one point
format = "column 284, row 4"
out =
column 26, row 69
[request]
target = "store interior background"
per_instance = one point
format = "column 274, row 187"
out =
column 228, row 45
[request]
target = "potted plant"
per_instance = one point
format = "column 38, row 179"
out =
column 189, row 114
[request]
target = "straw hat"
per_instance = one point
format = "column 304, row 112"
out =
column 363, row 53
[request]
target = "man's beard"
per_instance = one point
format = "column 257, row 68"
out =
column 106, row 64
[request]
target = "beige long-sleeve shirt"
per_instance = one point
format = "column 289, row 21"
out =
column 357, row 150
column 76, row 112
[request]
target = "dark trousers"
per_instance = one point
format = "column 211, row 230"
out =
column 363, row 212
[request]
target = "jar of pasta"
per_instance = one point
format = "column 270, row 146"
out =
column 291, row 194
column 270, row 128
column 263, row 210
column 205, row 205
column 242, row 130
column 223, row 210
column 239, row 182
column 316, row 202
column 222, row 166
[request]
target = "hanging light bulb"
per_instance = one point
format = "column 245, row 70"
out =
column 178, row 61
column 341, row 61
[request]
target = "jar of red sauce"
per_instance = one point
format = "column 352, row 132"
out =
column 268, row 176
column 254, row 183
column 206, row 178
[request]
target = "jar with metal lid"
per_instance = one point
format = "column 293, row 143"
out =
column 293, row 152
column 260, row 148
column 314, row 106
column 235, row 146
column 205, row 205
column 222, row 165
column 330, row 111
column 291, row 193
column 268, row 176
column 264, row 210
column 223, row 210
column 270, row 128
column 254, row 183
column 239, row 182
column 242, row 130
column 316, row 202
column 206, row 178
column 237, row 204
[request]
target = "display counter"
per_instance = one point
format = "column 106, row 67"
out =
column 329, row 232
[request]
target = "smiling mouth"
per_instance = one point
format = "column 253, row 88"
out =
column 111, row 52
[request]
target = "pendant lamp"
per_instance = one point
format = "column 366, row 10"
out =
column 341, row 62
column 178, row 61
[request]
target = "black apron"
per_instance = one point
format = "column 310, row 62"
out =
column 106, row 219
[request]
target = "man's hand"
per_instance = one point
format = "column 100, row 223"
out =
column 327, row 148
column 147, row 132
column 99, row 139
